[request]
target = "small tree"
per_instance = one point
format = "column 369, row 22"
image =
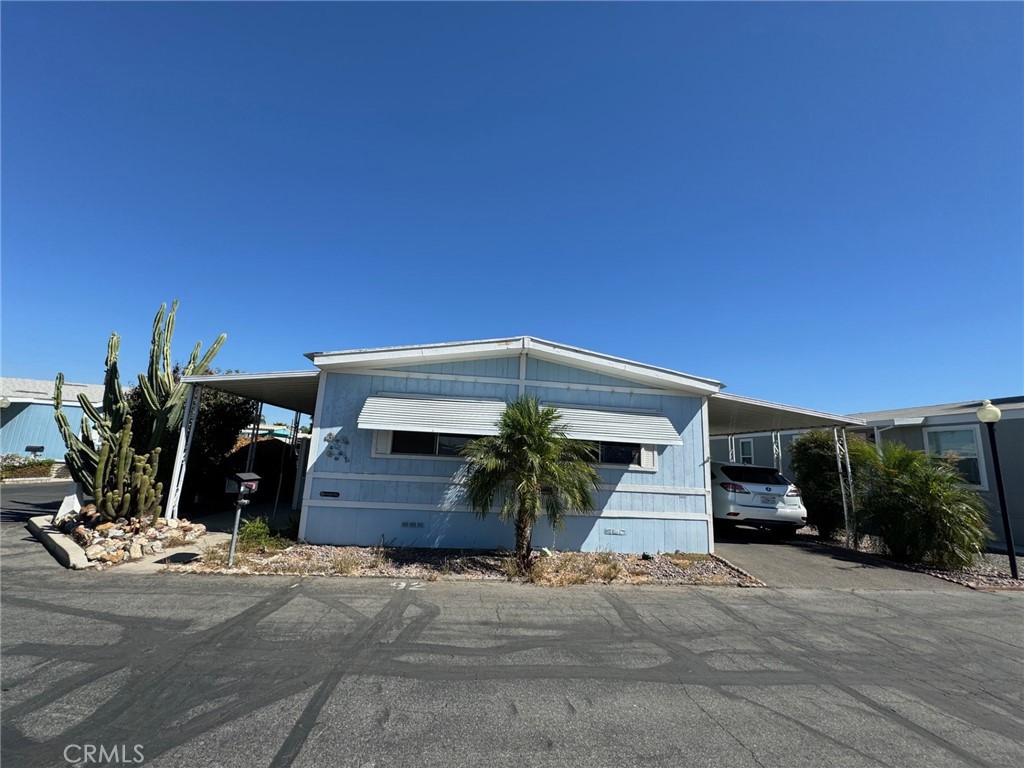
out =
column 813, row 461
column 530, row 467
column 921, row 510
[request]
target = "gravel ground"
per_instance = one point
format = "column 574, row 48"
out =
column 560, row 569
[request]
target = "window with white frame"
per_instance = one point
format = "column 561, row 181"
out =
column 632, row 455
column 747, row 450
column 962, row 445
column 400, row 443
column 429, row 444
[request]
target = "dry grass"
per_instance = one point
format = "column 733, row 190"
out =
column 568, row 568
column 561, row 569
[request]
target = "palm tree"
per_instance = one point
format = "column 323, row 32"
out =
column 530, row 465
column 922, row 511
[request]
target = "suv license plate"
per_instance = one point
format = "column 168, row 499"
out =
column 770, row 500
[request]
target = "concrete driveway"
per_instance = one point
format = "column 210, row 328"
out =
column 801, row 564
column 274, row 671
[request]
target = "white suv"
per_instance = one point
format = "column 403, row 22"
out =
column 742, row 494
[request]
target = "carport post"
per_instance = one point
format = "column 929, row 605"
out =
column 849, row 477
column 842, row 483
column 188, row 428
column 732, row 449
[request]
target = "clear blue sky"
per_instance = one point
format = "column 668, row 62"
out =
column 818, row 204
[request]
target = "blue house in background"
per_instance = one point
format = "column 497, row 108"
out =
column 388, row 424
column 26, row 420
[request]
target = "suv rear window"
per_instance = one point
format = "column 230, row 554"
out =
column 759, row 475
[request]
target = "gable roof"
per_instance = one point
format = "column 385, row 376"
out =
column 41, row 391
column 529, row 346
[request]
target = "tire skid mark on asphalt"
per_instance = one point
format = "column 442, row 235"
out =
column 152, row 655
column 799, row 661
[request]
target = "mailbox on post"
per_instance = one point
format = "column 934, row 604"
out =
column 243, row 484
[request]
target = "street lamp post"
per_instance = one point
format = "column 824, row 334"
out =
column 988, row 415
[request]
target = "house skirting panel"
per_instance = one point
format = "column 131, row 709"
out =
column 463, row 530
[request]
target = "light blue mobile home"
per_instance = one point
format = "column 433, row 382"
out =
column 384, row 466
column 388, row 424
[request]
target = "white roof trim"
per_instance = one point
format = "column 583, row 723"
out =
column 464, row 416
column 528, row 345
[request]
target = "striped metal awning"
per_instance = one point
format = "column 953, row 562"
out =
column 463, row 416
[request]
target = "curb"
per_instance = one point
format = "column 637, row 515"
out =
column 723, row 561
column 63, row 548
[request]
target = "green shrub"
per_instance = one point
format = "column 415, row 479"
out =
column 13, row 465
column 254, row 533
column 813, row 461
column 922, row 511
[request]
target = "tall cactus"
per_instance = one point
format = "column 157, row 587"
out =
column 82, row 454
column 163, row 395
column 127, row 480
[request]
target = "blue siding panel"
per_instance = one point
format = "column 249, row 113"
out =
column 542, row 370
column 24, row 424
column 464, row 530
column 493, row 367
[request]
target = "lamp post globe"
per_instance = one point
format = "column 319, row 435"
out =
column 989, row 415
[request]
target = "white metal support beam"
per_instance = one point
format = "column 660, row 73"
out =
column 251, row 455
column 732, row 449
column 776, row 451
column 849, row 482
column 842, row 481
column 188, row 427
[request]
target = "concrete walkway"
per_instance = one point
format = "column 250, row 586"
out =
column 805, row 565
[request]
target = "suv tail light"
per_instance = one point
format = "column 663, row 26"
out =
column 793, row 491
column 734, row 488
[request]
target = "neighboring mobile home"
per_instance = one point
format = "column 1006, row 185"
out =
column 27, row 418
column 388, row 424
column 953, row 428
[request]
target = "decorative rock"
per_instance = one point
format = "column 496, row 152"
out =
column 112, row 557
column 173, row 523
column 94, row 551
column 158, row 546
column 135, row 552
column 121, row 521
column 104, row 527
column 115, row 533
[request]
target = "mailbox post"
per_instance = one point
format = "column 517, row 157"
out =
column 243, row 484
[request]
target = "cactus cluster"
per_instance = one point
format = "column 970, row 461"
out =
column 122, row 482
column 163, row 395
column 128, row 482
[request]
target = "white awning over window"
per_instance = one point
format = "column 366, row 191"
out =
column 462, row 416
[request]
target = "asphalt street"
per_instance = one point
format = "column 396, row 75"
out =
column 189, row 670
